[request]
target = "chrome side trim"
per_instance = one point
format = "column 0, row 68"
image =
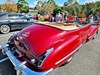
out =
column 20, row 67
column 67, row 55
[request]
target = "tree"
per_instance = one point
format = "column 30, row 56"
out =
column 9, row 6
column 78, row 8
column 97, row 12
column 98, row 3
column 70, row 2
column 0, row 7
column 38, row 5
column 50, row 6
column 23, row 6
column 45, row 8
column 73, row 7
column 58, row 9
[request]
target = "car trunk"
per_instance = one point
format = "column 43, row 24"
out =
column 38, row 39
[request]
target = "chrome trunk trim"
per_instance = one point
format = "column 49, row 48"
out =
column 20, row 67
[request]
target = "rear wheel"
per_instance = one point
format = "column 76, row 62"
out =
column 97, row 32
column 4, row 29
column 95, row 35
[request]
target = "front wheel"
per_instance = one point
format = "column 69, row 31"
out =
column 95, row 35
column 4, row 29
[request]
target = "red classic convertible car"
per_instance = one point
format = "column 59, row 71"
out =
column 44, row 46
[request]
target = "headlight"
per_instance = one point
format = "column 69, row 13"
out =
column 44, row 56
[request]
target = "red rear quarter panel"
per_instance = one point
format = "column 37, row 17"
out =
column 93, row 31
column 61, row 50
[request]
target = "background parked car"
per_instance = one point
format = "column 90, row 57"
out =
column 13, row 21
column 29, row 15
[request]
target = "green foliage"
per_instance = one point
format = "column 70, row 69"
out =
column 97, row 12
column 89, row 8
column 97, row 9
column 58, row 9
column 45, row 8
column 71, row 6
column 73, row 9
column 23, row 6
column 69, row 9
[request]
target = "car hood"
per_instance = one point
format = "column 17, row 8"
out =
column 40, row 38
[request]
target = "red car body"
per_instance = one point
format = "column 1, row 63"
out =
column 71, row 19
column 49, row 46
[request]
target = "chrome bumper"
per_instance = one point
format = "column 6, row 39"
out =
column 20, row 67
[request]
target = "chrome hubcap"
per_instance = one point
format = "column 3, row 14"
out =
column 5, row 28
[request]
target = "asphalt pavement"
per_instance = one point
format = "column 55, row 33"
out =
column 85, row 62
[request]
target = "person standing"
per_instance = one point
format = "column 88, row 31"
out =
column 91, row 19
column 58, row 17
column 65, row 16
column 51, row 18
column 99, row 20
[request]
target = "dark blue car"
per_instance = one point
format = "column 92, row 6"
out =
column 13, row 21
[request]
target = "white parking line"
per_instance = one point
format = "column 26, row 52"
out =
column 6, row 35
column 4, row 60
column 3, row 36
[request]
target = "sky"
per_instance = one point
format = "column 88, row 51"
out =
column 32, row 3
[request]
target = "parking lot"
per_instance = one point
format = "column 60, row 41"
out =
column 85, row 62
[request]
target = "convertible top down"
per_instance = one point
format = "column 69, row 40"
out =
column 62, row 26
column 44, row 46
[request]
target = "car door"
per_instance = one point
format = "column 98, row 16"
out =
column 14, row 21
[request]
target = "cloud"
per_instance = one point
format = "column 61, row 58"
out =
column 60, row 4
column 88, row 1
column 33, row 4
column 41, row 0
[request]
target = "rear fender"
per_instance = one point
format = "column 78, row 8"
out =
column 65, row 48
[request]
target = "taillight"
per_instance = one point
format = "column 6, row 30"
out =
column 44, row 56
